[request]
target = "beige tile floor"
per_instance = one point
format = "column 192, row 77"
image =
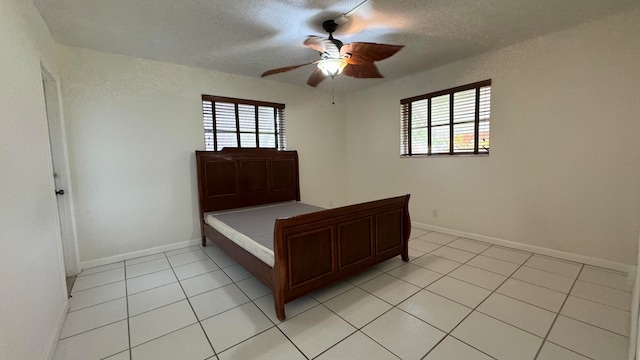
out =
column 455, row 299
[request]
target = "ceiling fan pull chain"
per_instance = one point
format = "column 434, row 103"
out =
column 333, row 90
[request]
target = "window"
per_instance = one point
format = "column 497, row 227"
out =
column 232, row 122
column 453, row 121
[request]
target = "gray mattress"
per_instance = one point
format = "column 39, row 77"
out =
column 256, row 224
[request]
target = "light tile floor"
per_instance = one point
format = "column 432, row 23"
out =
column 456, row 299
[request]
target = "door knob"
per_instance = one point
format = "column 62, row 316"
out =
column 59, row 192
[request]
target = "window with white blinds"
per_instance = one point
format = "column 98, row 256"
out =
column 450, row 122
column 230, row 122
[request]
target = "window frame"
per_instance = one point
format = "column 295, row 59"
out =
column 406, row 121
column 278, row 129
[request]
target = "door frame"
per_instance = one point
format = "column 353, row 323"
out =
column 634, row 338
column 60, row 158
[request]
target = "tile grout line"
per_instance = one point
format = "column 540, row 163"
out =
column 572, row 351
column 126, row 293
column 100, row 326
column 392, row 305
column 319, row 304
column 191, row 306
column 157, row 254
column 169, row 333
column 89, row 330
column 178, row 280
column 548, row 272
column 344, row 338
column 169, row 263
column 558, row 314
column 200, row 320
column 159, row 307
column 595, row 326
column 142, row 262
column 143, row 291
column 350, row 335
column 491, row 316
column 97, row 286
column 224, row 311
column 622, row 273
column 358, row 329
column 560, row 292
column 477, row 306
column 274, row 324
column 577, row 277
column 170, row 268
column 155, row 287
column 492, row 293
column 99, row 272
column 233, row 282
column 287, row 337
column 447, row 333
column 383, row 300
column 511, row 277
column 567, row 294
column 605, row 286
column 97, row 304
column 256, row 305
column 91, row 288
column 606, row 269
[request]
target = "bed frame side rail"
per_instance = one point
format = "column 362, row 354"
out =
column 249, row 262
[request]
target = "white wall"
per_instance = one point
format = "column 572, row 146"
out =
column 33, row 296
column 564, row 168
column 133, row 126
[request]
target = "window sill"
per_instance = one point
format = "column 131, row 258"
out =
column 443, row 156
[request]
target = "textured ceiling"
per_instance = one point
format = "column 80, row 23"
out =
column 247, row 37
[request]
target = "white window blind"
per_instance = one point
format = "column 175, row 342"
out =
column 452, row 121
column 230, row 122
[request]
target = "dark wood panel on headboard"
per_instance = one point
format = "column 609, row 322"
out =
column 235, row 178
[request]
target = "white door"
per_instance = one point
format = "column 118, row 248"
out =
column 61, row 175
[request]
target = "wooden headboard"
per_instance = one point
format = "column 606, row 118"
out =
column 240, row 177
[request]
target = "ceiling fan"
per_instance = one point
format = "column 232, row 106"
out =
column 355, row 59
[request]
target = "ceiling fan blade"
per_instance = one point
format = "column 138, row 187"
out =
column 364, row 70
column 315, row 78
column 285, row 69
column 364, row 52
column 322, row 45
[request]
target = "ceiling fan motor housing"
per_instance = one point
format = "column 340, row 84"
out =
column 331, row 26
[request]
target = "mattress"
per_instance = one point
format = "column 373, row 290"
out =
column 252, row 228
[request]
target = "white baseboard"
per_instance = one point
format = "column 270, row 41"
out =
column 55, row 332
column 139, row 253
column 607, row 264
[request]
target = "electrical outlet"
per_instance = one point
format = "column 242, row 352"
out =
column 434, row 213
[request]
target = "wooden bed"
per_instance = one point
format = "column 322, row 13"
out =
column 311, row 250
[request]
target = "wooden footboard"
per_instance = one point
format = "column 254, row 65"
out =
column 317, row 249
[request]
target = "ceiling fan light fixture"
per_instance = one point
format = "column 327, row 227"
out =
column 332, row 67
